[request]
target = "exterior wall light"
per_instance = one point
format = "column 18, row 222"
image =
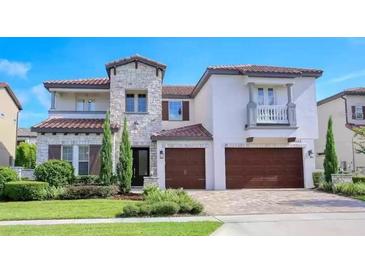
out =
column 161, row 154
column 310, row 153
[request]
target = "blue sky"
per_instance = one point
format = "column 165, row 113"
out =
column 26, row 62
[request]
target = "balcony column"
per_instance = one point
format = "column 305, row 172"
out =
column 53, row 100
column 291, row 106
column 251, row 107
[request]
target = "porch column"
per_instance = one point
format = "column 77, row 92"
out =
column 291, row 106
column 75, row 158
column 251, row 106
column 53, row 100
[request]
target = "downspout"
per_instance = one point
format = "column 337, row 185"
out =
column 352, row 139
column 16, row 136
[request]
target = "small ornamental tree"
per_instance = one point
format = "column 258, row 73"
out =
column 124, row 167
column 360, row 143
column 25, row 155
column 106, row 165
column 330, row 163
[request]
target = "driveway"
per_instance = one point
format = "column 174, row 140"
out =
column 274, row 201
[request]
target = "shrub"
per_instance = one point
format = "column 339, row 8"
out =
column 358, row 179
column 8, row 174
column 326, row 186
column 131, row 210
column 86, row 180
column 55, row 172
column 106, row 165
column 125, row 165
column 88, row 191
column 25, row 155
column 149, row 189
column 165, row 208
column 145, row 209
column 330, row 162
column 318, row 177
column 25, row 190
column 349, row 189
column 54, row 193
column 197, row 208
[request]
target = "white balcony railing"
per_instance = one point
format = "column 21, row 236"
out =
column 272, row 114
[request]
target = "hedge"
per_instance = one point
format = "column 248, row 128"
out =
column 25, row 190
column 318, row 177
column 88, row 192
column 358, row 179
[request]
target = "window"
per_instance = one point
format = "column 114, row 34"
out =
column 91, row 105
column 265, row 97
column 80, row 104
column 358, row 113
column 175, row 110
column 261, row 96
column 136, row 102
column 83, row 160
column 67, row 154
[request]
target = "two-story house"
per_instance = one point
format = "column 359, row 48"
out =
column 347, row 109
column 9, row 113
column 243, row 126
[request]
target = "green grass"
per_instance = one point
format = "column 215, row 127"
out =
column 71, row 209
column 362, row 197
column 127, row 229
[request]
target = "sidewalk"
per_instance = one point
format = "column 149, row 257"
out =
column 111, row 220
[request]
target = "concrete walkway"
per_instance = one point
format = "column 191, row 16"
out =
column 110, row 220
column 308, row 224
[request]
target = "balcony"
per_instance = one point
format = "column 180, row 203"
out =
column 272, row 114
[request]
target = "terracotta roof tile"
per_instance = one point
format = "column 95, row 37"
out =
column 78, row 83
column 177, row 91
column 25, row 132
column 71, row 125
column 135, row 58
column 247, row 69
column 193, row 132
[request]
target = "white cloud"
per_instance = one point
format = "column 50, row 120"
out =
column 42, row 95
column 14, row 68
column 349, row 76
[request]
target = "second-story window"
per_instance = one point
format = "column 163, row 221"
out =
column 80, row 104
column 265, row 96
column 83, row 104
column 136, row 102
column 91, row 105
column 175, row 110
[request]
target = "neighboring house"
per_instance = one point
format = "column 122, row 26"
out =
column 347, row 109
column 24, row 135
column 241, row 126
column 9, row 110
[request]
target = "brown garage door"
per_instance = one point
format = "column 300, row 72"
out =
column 185, row 167
column 264, row 168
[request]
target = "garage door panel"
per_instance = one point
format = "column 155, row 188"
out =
column 185, row 167
column 264, row 168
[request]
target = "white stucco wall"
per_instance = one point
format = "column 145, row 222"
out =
column 229, row 96
column 354, row 100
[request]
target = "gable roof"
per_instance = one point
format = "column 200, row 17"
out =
column 134, row 58
column 256, row 71
column 11, row 94
column 193, row 132
column 349, row 91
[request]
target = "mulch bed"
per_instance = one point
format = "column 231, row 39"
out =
column 129, row 196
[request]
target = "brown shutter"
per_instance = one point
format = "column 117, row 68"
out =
column 94, row 165
column 353, row 112
column 54, row 152
column 186, row 111
column 165, row 110
column 363, row 112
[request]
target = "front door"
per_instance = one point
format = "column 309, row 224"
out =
column 141, row 165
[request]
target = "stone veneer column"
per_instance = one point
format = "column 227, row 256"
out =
column 291, row 106
column 251, row 107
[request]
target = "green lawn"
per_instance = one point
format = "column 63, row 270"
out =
column 127, row 229
column 71, row 209
column 362, row 198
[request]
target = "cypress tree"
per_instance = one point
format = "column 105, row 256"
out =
column 106, row 167
column 125, row 165
column 330, row 163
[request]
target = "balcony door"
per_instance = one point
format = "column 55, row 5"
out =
column 266, row 96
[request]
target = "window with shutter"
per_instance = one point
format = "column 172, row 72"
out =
column 165, row 110
column 186, row 111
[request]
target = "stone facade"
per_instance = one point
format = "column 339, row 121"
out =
column 60, row 139
column 141, row 126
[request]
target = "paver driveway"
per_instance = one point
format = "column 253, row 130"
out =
column 274, row 201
